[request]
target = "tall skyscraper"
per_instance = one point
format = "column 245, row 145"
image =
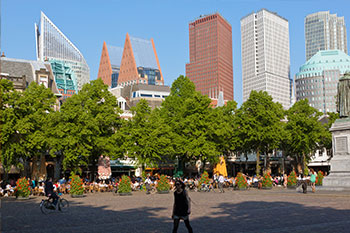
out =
column 139, row 63
column 265, row 56
column 53, row 46
column 211, row 66
column 324, row 31
column 317, row 79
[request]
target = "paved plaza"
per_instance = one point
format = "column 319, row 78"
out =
column 276, row 210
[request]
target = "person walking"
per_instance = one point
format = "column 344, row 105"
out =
column 221, row 183
column 313, row 179
column 285, row 180
column 182, row 207
column 148, row 183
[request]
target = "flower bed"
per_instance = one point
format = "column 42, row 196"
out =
column 22, row 190
column 163, row 185
column 266, row 181
column 124, row 185
column 76, row 187
column 241, row 182
column 319, row 178
column 292, row 180
column 204, row 179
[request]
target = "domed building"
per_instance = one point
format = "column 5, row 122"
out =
column 317, row 79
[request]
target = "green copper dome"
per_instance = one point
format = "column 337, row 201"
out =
column 324, row 60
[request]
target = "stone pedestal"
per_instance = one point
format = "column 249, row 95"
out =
column 339, row 177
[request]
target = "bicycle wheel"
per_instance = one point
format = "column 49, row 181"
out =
column 46, row 207
column 63, row 205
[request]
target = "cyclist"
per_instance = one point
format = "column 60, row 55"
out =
column 49, row 191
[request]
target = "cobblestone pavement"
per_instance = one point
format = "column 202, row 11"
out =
column 274, row 210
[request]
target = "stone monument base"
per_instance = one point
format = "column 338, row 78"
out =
column 336, row 182
column 339, row 177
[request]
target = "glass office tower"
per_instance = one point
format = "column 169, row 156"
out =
column 52, row 44
column 324, row 31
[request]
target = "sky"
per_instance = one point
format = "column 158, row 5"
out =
column 88, row 23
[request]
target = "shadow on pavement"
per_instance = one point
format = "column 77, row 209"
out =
column 249, row 216
column 279, row 217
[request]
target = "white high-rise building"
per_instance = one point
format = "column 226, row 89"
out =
column 324, row 31
column 53, row 45
column 265, row 56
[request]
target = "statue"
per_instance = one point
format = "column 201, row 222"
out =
column 343, row 96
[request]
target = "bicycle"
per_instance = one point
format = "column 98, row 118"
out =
column 47, row 206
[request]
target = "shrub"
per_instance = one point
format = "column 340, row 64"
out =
column 241, row 181
column 292, row 179
column 204, row 179
column 163, row 184
column 319, row 178
column 22, row 188
column 266, row 181
column 76, row 186
column 124, row 185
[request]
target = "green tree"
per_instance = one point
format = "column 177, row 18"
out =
column 84, row 128
column 25, row 119
column 223, row 127
column 188, row 113
column 146, row 136
column 304, row 132
column 259, row 125
column 8, row 137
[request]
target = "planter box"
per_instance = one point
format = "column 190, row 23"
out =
column 22, row 198
column 163, row 192
column 77, row 195
column 124, row 194
column 318, row 184
column 267, row 188
column 241, row 189
column 292, row 187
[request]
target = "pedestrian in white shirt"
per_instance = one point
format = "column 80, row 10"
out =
column 221, row 183
column 148, row 183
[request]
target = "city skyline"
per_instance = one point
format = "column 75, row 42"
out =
column 168, row 28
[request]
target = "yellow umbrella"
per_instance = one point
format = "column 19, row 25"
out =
column 220, row 167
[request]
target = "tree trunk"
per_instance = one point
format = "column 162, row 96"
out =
column 300, row 165
column 268, row 163
column 27, row 168
column 257, row 170
column 35, row 168
column 6, row 175
column 246, row 161
column 58, row 166
column 93, row 169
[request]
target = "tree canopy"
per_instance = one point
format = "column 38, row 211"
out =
column 147, row 137
column 259, row 125
column 188, row 113
column 24, row 119
column 304, row 132
column 84, row 127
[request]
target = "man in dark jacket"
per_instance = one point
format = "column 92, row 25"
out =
column 49, row 191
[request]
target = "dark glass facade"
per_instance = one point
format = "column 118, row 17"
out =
column 151, row 74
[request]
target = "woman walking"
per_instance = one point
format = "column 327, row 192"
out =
column 182, row 206
column 313, row 179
